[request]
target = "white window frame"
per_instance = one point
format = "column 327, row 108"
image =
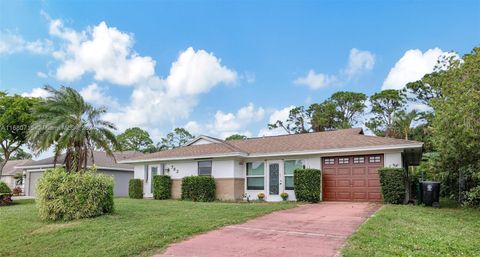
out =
column 285, row 173
column 254, row 176
column 211, row 167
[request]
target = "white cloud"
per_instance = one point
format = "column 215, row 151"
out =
column 104, row 51
column 412, row 66
column 157, row 101
column 316, row 80
column 275, row 115
column 98, row 96
column 359, row 62
column 197, row 72
column 150, row 106
column 12, row 42
column 194, row 127
column 41, row 75
column 226, row 124
column 37, row 92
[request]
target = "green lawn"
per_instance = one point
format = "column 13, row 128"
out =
column 138, row 227
column 406, row 230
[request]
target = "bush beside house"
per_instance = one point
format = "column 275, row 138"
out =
column 198, row 188
column 74, row 195
column 472, row 197
column 162, row 187
column 135, row 188
column 308, row 184
column 392, row 181
column 5, row 194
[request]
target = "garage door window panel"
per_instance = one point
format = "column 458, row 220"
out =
column 343, row 160
column 329, row 161
column 375, row 159
column 358, row 160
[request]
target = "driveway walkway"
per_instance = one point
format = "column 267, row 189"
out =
column 308, row 230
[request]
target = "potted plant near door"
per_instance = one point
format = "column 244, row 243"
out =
column 261, row 196
column 284, row 196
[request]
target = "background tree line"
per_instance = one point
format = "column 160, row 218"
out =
column 449, row 126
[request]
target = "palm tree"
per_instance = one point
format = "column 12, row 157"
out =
column 69, row 124
column 402, row 123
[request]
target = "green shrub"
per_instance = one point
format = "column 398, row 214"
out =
column 472, row 197
column 392, row 181
column 162, row 187
column 198, row 188
column 4, row 189
column 135, row 188
column 75, row 195
column 308, row 184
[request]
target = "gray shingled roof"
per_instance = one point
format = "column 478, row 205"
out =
column 9, row 168
column 100, row 158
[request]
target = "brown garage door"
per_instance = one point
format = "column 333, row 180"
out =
column 352, row 178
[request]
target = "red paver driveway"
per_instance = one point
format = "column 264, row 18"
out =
column 308, row 230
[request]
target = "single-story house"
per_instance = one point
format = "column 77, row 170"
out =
column 122, row 173
column 349, row 161
column 10, row 170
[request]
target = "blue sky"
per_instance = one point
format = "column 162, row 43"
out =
column 223, row 67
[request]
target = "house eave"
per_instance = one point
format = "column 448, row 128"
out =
column 47, row 166
column 234, row 154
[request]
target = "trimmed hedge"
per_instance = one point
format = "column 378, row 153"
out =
column 135, row 188
column 162, row 187
column 198, row 188
column 308, row 185
column 74, row 195
column 392, row 181
column 4, row 189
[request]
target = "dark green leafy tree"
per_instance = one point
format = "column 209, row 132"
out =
column 135, row 139
column 236, row 137
column 298, row 121
column 385, row 105
column 456, row 125
column 177, row 138
column 16, row 116
column 325, row 116
column 349, row 106
column 402, row 124
column 424, row 91
column 69, row 124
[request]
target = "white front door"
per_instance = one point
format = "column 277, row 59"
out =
column 151, row 171
column 275, row 185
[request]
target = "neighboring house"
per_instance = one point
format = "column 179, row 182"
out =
column 10, row 170
column 349, row 161
column 122, row 173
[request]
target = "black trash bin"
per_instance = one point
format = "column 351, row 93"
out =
column 431, row 193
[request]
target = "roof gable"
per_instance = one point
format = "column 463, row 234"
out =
column 202, row 140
